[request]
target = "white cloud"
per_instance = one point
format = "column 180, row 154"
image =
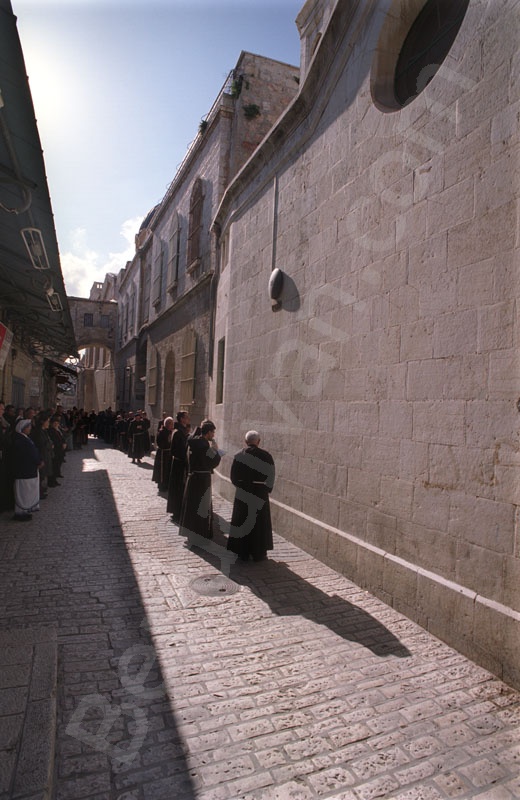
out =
column 81, row 266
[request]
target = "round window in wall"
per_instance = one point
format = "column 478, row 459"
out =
column 414, row 41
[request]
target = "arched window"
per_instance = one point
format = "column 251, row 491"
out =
column 195, row 225
column 414, row 41
column 426, row 46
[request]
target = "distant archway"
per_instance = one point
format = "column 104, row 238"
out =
column 94, row 322
column 168, row 402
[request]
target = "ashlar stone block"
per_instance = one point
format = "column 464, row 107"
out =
column 455, row 334
column 431, row 507
column 455, row 204
column 396, row 497
column 482, row 522
column 475, row 240
column 439, row 422
column 417, row 340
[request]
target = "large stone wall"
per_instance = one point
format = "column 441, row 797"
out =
column 386, row 385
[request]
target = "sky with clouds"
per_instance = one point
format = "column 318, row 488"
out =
column 119, row 88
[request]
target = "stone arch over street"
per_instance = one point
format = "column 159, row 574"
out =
column 94, row 324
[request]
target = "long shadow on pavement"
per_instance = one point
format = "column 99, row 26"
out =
column 288, row 594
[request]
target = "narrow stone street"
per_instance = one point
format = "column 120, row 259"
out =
column 133, row 668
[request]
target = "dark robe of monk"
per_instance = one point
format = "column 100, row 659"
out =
column 58, row 454
column 251, row 533
column 197, row 509
column 178, row 470
column 6, row 467
column 139, row 439
column 162, row 461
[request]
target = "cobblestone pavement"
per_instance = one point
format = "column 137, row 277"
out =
column 182, row 676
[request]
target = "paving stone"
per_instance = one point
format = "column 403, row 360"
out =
column 417, row 793
column 7, row 767
column 330, row 780
column 380, row 787
column 483, row 773
column 35, row 759
column 44, row 673
column 383, row 761
column 14, row 675
column 10, row 731
column 288, row 791
column 14, row 701
column 452, row 784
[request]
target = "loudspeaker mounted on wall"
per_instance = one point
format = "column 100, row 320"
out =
column 275, row 287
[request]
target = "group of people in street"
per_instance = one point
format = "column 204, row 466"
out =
column 33, row 444
column 183, row 465
column 128, row 431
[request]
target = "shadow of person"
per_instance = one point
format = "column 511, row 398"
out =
column 288, row 594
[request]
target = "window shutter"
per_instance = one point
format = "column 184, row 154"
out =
column 145, row 292
column 131, row 316
column 157, row 278
column 221, row 348
column 189, row 353
column 151, row 382
column 173, row 256
column 195, row 226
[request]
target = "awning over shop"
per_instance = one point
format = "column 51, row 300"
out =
column 61, row 372
column 33, row 302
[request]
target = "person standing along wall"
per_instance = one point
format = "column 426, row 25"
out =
column 197, row 508
column 252, row 473
column 26, row 463
column 179, row 460
column 162, row 461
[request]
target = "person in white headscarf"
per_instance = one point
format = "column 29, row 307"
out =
column 26, row 463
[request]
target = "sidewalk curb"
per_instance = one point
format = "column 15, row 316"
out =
column 28, row 685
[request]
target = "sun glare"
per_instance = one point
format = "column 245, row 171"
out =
column 54, row 86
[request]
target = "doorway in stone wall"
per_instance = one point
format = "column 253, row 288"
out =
column 168, row 403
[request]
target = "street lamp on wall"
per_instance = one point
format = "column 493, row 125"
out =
column 35, row 247
column 54, row 300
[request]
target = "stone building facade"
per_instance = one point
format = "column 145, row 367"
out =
column 166, row 293
column 385, row 377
